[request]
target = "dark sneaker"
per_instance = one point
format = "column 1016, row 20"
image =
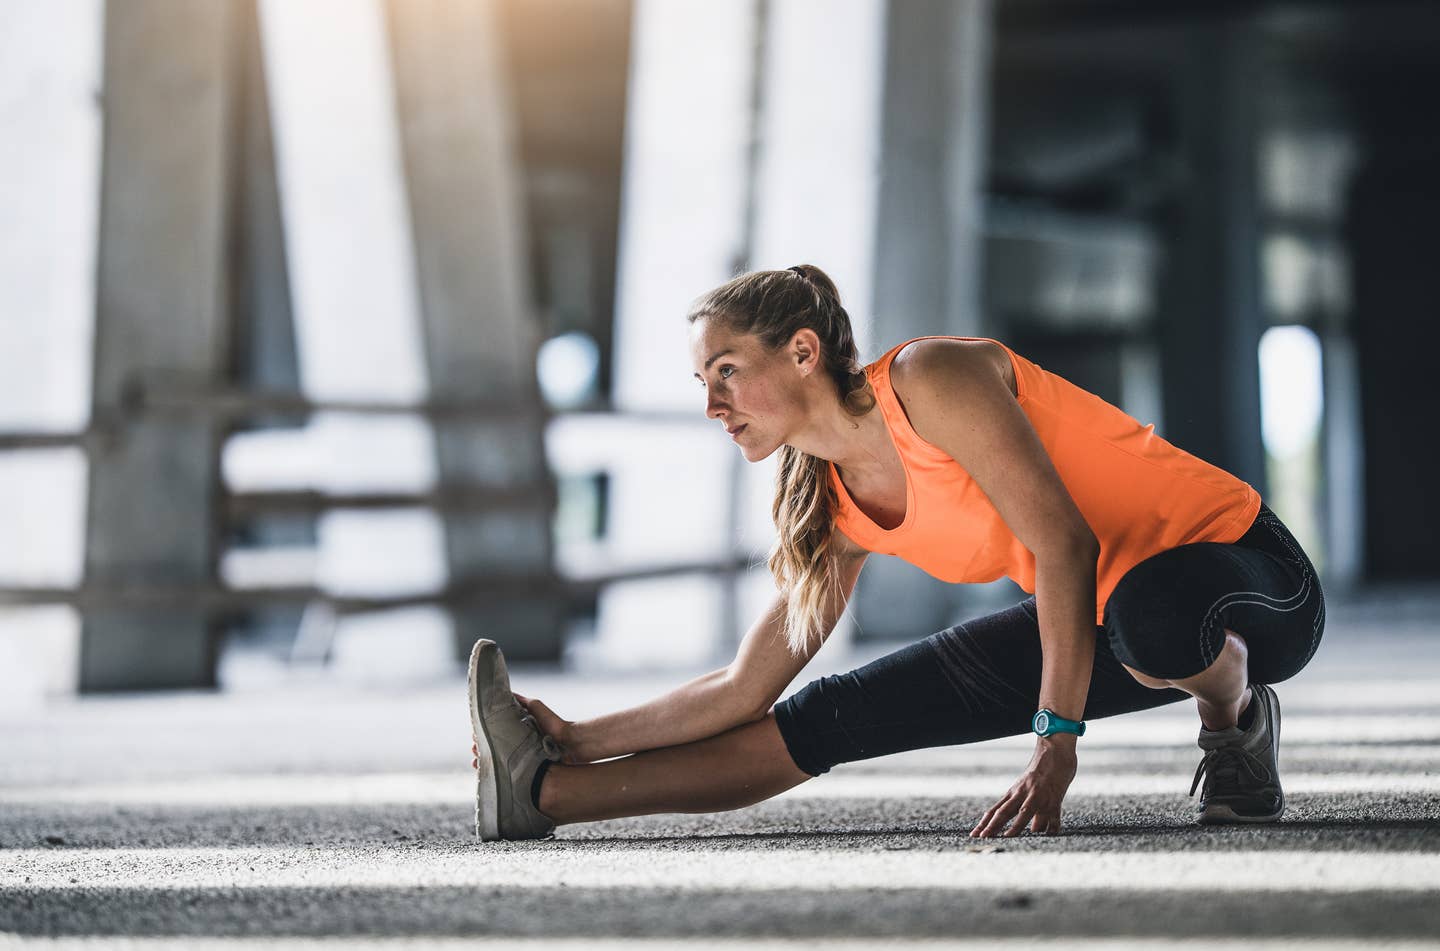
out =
column 509, row 749
column 1241, row 767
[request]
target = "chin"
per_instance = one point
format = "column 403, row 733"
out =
column 757, row 453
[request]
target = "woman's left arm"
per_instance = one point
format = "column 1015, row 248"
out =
column 957, row 399
column 1065, row 601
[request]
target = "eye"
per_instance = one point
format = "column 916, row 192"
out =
column 723, row 375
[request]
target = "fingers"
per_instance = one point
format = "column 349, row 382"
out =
column 1025, row 812
column 1018, row 826
column 997, row 816
column 1022, row 819
column 985, row 818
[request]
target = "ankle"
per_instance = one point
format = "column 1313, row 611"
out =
column 1245, row 710
column 543, row 792
column 1216, row 718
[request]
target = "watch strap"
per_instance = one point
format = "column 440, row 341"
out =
column 1047, row 722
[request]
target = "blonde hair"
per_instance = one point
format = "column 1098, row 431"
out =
column 773, row 305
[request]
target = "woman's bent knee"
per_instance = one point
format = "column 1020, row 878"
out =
column 1156, row 617
column 1154, row 683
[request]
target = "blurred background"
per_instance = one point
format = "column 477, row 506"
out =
column 335, row 334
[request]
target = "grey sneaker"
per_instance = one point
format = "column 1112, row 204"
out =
column 509, row 748
column 1241, row 767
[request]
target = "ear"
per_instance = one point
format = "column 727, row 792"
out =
column 804, row 350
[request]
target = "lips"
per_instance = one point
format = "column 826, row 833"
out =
column 736, row 431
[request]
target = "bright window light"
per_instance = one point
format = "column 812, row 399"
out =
column 1291, row 399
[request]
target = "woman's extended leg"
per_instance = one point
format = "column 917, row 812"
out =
column 972, row 682
column 739, row 767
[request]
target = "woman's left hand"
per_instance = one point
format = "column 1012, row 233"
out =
column 1036, row 796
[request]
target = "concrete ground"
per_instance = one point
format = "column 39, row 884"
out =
column 306, row 813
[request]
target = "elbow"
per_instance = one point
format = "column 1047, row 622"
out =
column 758, row 707
column 743, row 701
column 760, row 712
column 747, row 703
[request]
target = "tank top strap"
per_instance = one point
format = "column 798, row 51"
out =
column 907, row 440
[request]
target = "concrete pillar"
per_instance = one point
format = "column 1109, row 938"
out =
column 936, row 102
column 265, row 354
column 927, row 249
column 687, row 174
column 165, row 214
column 1209, row 309
column 1342, row 461
column 49, row 181
column 464, row 188
column 1390, row 217
column 813, row 199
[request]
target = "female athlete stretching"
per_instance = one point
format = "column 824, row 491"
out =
column 1154, row 577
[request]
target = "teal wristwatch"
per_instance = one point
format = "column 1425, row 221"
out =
column 1047, row 721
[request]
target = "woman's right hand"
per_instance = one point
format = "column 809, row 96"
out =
column 555, row 727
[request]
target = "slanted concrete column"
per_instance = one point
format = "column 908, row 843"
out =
column 464, row 188
column 936, row 96
column 160, row 312
column 1209, row 311
column 927, row 252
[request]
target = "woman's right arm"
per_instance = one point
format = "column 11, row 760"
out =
column 715, row 702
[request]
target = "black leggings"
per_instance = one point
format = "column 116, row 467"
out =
column 981, row 679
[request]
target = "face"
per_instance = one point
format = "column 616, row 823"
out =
column 758, row 395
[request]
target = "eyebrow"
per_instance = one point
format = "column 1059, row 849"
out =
column 713, row 358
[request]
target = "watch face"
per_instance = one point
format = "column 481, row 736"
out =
column 1042, row 722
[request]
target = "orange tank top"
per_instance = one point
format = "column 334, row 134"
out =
column 1139, row 494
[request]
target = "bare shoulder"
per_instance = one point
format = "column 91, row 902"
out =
column 936, row 363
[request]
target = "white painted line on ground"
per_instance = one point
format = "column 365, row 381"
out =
column 991, row 757
column 1330, row 697
column 455, row 788
column 711, row 870
column 1173, row 726
column 1087, row 784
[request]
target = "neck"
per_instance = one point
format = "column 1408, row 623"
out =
column 856, row 444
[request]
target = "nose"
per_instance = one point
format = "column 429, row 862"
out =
column 712, row 404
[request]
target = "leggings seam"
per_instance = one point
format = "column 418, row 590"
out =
column 1207, row 657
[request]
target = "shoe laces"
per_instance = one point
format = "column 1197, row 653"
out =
column 1224, row 765
column 547, row 742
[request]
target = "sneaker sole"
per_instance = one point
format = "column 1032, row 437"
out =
column 1224, row 815
column 487, row 796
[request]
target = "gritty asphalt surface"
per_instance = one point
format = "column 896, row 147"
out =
column 320, row 812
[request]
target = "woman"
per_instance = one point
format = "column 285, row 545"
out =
column 1154, row 577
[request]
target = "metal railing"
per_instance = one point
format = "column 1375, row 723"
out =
column 229, row 406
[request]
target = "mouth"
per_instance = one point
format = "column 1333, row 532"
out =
column 737, row 430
